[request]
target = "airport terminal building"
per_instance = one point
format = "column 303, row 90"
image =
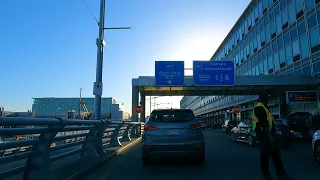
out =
column 271, row 37
column 59, row 107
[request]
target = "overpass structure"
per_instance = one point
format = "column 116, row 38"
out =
column 244, row 85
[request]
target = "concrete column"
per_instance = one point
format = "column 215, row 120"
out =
column 135, row 102
column 283, row 104
column 318, row 90
column 143, row 105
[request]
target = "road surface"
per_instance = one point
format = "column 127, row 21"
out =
column 225, row 160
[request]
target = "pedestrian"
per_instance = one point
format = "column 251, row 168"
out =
column 215, row 124
column 263, row 125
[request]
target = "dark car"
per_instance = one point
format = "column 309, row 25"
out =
column 203, row 125
column 283, row 133
column 298, row 122
column 228, row 125
column 175, row 132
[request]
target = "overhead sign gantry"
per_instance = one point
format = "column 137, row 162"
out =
column 210, row 78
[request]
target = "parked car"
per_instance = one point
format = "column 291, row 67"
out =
column 316, row 146
column 298, row 122
column 172, row 131
column 243, row 133
column 228, row 125
column 283, row 133
column 203, row 124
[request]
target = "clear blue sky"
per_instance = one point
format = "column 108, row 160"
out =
column 47, row 47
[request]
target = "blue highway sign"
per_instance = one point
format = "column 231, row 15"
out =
column 169, row 73
column 213, row 73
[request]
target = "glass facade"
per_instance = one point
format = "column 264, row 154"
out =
column 63, row 105
column 272, row 37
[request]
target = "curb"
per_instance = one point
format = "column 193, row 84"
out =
column 81, row 173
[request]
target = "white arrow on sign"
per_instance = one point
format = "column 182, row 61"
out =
column 169, row 82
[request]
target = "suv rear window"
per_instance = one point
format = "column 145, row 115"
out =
column 172, row 116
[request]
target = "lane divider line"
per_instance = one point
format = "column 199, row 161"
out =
column 91, row 168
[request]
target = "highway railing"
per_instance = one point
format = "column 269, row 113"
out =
column 46, row 140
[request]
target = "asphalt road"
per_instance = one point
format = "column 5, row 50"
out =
column 225, row 160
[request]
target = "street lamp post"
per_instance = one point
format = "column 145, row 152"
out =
column 100, row 43
column 97, row 89
column 157, row 105
column 150, row 105
column 150, row 102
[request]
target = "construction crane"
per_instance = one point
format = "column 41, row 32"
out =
column 83, row 110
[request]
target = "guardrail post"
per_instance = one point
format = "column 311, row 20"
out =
column 136, row 130
column 115, row 142
column 126, row 134
column 133, row 132
column 93, row 143
column 140, row 129
column 40, row 166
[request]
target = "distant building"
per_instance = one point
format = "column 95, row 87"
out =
column 17, row 114
column 116, row 113
column 126, row 116
column 48, row 107
column 270, row 38
column 121, row 107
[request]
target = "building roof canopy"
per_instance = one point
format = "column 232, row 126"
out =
column 244, row 85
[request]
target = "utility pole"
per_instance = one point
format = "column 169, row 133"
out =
column 80, row 101
column 154, row 100
column 100, row 43
column 150, row 105
column 98, row 85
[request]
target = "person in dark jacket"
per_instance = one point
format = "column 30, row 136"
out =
column 263, row 124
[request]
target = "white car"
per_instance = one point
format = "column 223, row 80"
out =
column 316, row 146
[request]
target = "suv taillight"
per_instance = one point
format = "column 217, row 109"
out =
column 291, row 131
column 150, row 127
column 194, row 126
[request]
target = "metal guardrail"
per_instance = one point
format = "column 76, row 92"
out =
column 90, row 138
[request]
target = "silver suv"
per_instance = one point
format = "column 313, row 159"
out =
column 172, row 131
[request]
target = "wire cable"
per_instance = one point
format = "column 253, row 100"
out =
column 90, row 11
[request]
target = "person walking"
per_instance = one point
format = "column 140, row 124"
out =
column 214, row 124
column 263, row 125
